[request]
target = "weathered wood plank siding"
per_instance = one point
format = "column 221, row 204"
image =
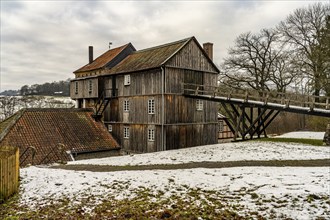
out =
column 138, row 137
column 191, row 57
column 180, row 109
column 182, row 136
column 182, row 120
column 84, row 90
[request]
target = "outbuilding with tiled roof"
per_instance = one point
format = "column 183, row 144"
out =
column 51, row 135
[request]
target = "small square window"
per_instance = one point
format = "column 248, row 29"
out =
column 126, row 132
column 127, row 80
column 151, row 135
column 126, row 105
column 110, row 128
column 151, row 106
column 199, row 105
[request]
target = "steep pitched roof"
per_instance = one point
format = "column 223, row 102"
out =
column 47, row 129
column 104, row 59
column 149, row 58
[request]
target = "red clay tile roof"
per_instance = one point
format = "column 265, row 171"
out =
column 46, row 129
column 102, row 60
column 149, row 58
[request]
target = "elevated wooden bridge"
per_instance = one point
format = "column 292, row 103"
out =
column 250, row 112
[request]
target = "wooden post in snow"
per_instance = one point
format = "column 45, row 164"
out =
column 326, row 138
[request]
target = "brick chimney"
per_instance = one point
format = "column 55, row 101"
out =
column 208, row 48
column 90, row 54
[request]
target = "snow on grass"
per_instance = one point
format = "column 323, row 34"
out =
column 303, row 135
column 272, row 192
column 219, row 152
column 283, row 190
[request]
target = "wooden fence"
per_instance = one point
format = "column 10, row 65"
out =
column 9, row 172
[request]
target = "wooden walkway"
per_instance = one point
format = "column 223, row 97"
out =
column 250, row 112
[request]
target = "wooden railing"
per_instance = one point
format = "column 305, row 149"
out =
column 9, row 172
column 294, row 99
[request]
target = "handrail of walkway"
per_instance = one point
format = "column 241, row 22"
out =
column 288, row 99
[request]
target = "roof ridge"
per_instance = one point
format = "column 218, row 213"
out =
column 122, row 47
column 18, row 114
column 163, row 45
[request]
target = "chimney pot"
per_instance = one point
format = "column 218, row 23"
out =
column 208, row 48
column 90, row 54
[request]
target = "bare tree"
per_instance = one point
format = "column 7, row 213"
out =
column 283, row 72
column 8, row 106
column 302, row 31
column 258, row 61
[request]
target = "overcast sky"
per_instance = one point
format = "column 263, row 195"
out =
column 45, row 41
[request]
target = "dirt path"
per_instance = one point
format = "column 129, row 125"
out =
column 275, row 163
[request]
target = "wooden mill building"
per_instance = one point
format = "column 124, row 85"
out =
column 138, row 95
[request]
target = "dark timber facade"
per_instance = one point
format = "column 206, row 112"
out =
column 138, row 95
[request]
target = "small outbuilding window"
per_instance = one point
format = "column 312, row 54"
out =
column 126, row 132
column 221, row 126
column 151, row 135
column 199, row 105
column 126, row 105
column 151, row 106
column 127, row 80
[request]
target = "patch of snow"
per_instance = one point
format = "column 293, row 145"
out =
column 272, row 185
column 219, row 152
column 303, row 135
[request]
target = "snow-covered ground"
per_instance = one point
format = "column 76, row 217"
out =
column 297, row 192
column 303, row 134
column 219, row 152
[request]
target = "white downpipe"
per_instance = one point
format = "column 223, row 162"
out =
column 163, row 109
column 84, row 103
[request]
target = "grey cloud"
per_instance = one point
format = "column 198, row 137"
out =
column 47, row 41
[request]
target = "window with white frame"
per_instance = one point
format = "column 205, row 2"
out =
column 221, row 126
column 151, row 135
column 151, row 106
column 90, row 86
column 126, row 132
column 127, row 80
column 110, row 128
column 126, row 105
column 76, row 87
column 199, row 105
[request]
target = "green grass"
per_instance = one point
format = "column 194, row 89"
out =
column 295, row 140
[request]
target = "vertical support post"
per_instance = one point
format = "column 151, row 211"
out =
column 243, row 121
column 259, row 121
column 251, row 116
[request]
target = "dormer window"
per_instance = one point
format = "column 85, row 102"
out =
column 127, row 80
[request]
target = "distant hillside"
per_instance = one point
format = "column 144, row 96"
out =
column 60, row 88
